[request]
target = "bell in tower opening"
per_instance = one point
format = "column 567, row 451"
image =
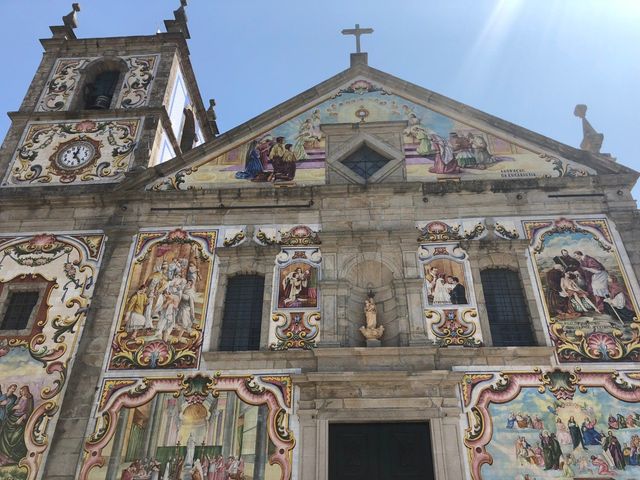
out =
column 98, row 94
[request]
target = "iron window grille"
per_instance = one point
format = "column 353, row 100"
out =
column 242, row 313
column 19, row 309
column 509, row 318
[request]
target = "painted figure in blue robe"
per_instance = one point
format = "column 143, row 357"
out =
column 511, row 420
column 589, row 433
column 252, row 165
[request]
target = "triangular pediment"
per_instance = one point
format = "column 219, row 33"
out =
column 440, row 139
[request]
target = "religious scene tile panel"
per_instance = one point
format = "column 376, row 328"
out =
column 58, row 273
column 161, row 319
column 435, row 146
column 295, row 313
column 204, row 426
column 587, row 293
column 449, row 303
column 78, row 151
column 547, row 424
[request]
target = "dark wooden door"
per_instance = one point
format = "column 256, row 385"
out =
column 380, row 451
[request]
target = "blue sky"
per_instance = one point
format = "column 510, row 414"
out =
column 526, row 61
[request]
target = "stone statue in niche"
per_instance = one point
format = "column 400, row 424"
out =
column 370, row 330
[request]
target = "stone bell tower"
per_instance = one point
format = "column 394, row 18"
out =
column 99, row 108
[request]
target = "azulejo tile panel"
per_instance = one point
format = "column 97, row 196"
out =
column 209, row 424
column 79, row 151
column 66, row 78
column 161, row 316
column 35, row 361
column 434, row 146
column 448, row 296
column 552, row 423
column 295, row 311
column 586, row 291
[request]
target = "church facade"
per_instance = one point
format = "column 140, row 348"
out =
column 367, row 281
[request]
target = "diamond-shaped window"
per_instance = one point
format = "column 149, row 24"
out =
column 365, row 162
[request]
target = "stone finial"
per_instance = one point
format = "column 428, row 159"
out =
column 211, row 116
column 591, row 140
column 179, row 23
column 69, row 23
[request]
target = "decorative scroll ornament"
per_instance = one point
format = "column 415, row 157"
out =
column 62, row 84
column 296, row 330
column 50, row 152
column 561, row 383
column 137, row 82
column 564, row 168
column 67, row 72
column 450, row 330
column 469, row 381
column 509, row 233
column 441, row 231
column 300, row 236
column 234, row 237
column 266, row 237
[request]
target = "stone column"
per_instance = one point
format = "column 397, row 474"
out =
column 116, row 450
column 229, row 424
column 329, row 319
column 260, row 459
column 418, row 335
column 151, row 426
column 448, row 457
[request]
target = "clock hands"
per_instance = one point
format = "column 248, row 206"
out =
column 75, row 156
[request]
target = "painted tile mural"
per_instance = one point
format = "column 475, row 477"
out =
column 54, row 275
column 435, row 146
column 295, row 311
column 162, row 311
column 205, row 426
column 448, row 296
column 66, row 77
column 74, row 151
column 552, row 424
column 588, row 297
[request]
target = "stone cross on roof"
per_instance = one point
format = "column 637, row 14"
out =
column 357, row 32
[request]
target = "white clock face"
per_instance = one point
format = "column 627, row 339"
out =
column 76, row 155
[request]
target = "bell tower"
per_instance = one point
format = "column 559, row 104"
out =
column 98, row 108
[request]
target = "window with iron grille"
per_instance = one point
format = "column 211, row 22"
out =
column 365, row 162
column 506, row 307
column 242, row 313
column 20, row 305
